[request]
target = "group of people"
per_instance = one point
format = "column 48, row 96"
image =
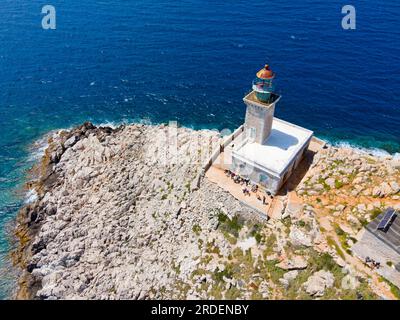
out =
column 245, row 182
column 372, row 263
column 236, row 178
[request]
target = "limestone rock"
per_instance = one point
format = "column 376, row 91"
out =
column 318, row 282
column 350, row 282
column 293, row 263
column 299, row 237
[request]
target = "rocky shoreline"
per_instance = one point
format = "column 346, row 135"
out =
column 118, row 215
column 31, row 217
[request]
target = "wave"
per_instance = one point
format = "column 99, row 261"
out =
column 38, row 147
column 376, row 152
column 31, row 196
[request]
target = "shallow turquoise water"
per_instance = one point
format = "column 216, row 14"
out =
column 191, row 61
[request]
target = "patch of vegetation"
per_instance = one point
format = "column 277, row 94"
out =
column 176, row 268
column 301, row 223
column 270, row 243
column 212, row 248
column 364, row 222
column 324, row 261
column 170, row 186
column 182, row 288
column 375, row 213
column 200, row 242
column 216, row 291
column 256, row 233
column 393, row 289
column 232, row 293
column 218, row 275
column 237, row 253
column 274, row 272
column 231, row 239
column 199, row 272
column 389, row 263
column 338, row 184
column 231, row 226
column 343, row 237
column 187, row 185
column 338, row 162
column 326, row 186
column 306, row 225
column 295, row 290
column 332, row 243
column 196, row 229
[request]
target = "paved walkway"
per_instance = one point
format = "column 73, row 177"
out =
column 217, row 176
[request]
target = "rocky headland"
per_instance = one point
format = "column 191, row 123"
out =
column 119, row 214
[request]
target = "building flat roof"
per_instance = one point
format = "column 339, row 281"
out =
column 277, row 152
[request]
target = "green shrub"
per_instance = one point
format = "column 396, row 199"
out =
column 230, row 226
column 338, row 184
column 301, row 223
column 274, row 272
column 258, row 237
column 256, row 233
column 375, row 213
column 218, row 275
column 196, row 229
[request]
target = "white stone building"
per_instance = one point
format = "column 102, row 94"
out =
column 269, row 149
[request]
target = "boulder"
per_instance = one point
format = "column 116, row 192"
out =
column 288, row 277
column 395, row 187
column 70, row 142
column 350, row 282
column 383, row 190
column 318, row 282
column 330, row 182
column 298, row 237
column 294, row 263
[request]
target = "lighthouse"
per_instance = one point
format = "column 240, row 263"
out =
column 261, row 106
column 269, row 149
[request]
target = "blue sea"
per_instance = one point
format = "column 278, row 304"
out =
column 122, row 60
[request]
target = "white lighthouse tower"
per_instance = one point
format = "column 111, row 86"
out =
column 269, row 149
column 261, row 106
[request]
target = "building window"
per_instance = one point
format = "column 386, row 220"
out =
column 263, row 179
column 251, row 133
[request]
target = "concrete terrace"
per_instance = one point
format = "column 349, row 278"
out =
column 273, row 208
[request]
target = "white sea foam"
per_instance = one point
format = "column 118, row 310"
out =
column 376, row 152
column 111, row 124
column 31, row 196
column 38, row 149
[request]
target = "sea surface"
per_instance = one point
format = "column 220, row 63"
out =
column 142, row 60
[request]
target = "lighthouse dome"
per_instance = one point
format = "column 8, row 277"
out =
column 266, row 73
